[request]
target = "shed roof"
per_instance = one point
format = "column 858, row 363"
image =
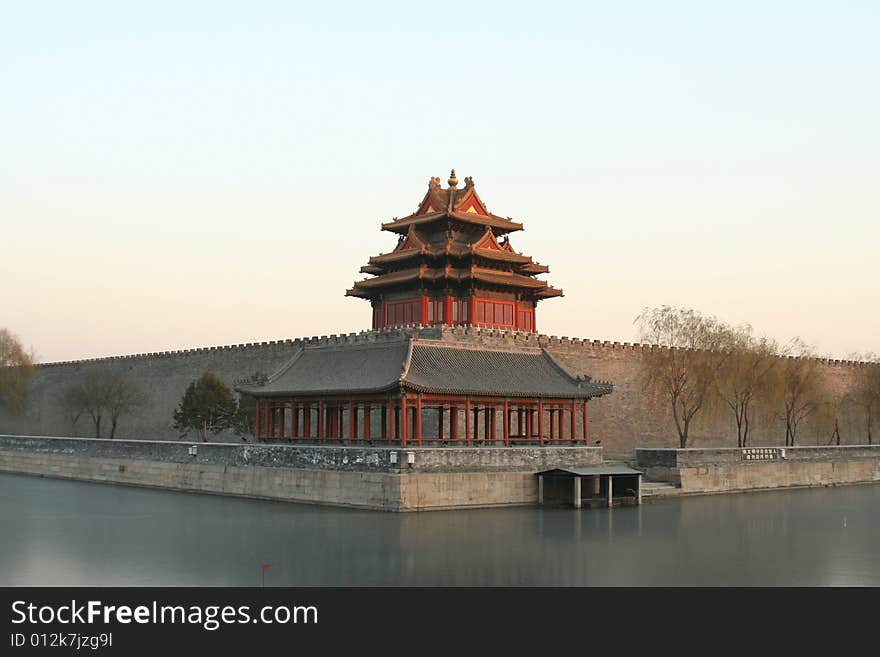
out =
column 593, row 470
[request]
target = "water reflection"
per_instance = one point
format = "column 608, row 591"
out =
column 73, row 533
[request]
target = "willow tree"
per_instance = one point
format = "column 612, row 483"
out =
column 865, row 392
column 689, row 350
column 831, row 412
column 803, row 387
column 747, row 377
column 16, row 373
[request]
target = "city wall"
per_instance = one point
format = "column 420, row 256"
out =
column 623, row 420
column 363, row 477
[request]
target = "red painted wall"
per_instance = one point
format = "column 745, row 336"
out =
column 475, row 311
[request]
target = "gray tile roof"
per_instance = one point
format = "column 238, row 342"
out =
column 338, row 370
column 526, row 373
column 426, row 366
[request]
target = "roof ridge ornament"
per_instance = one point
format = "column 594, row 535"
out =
column 453, row 182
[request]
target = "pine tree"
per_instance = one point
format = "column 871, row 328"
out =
column 207, row 406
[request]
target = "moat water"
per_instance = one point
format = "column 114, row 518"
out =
column 68, row 533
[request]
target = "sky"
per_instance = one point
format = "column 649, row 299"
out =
column 175, row 175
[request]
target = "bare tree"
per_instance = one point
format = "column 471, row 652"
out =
column 747, row 377
column 802, row 387
column 101, row 396
column 122, row 398
column 690, row 349
column 16, row 372
column 865, row 392
column 831, row 410
column 86, row 397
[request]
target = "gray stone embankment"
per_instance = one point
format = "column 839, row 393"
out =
column 382, row 478
column 718, row 470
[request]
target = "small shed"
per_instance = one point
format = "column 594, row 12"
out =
column 592, row 484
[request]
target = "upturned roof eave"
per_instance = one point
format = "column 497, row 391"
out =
column 258, row 392
column 578, row 393
column 493, row 221
column 570, row 394
column 455, row 252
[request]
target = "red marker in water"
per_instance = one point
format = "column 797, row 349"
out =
column 264, row 568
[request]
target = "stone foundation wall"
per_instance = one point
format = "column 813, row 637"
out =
column 341, row 476
column 721, row 470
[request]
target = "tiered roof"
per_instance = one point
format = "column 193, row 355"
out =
column 453, row 238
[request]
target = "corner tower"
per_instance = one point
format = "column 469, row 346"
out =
column 453, row 264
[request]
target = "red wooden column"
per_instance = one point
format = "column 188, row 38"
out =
column 282, row 411
column 307, row 420
column 573, row 413
column 586, row 425
column 271, row 420
column 541, row 421
column 506, row 424
column 424, row 319
column 467, row 421
column 472, row 306
column 390, row 415
column 294, row 420
column 367, row 421
column 418, row 427
column 447, row 311
column 404, row 423
column 440, row 411
column 453, row 423
column 493, row 421
column 352, row 420
column 320, row 421
column 257, row 420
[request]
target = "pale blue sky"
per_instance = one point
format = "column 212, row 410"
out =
column 181, row 174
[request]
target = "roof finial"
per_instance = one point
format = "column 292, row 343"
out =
column 453, row 181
